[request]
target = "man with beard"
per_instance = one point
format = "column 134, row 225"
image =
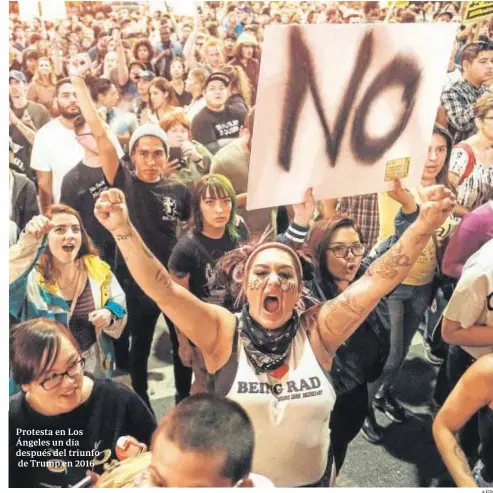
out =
column 56, row 149
column 25, row 119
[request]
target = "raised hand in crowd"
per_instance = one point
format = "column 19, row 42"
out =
column 38, row 227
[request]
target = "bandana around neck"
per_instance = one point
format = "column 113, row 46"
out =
column 267, row 349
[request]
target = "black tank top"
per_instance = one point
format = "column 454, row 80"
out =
column 486, row 435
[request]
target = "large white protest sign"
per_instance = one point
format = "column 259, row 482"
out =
column 53, row 10
column 28, row 9
column 344, row 108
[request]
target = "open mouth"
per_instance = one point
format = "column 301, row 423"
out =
column 68, row 248
column 272, row 304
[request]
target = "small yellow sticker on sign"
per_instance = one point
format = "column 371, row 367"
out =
column 397, row 168
column 478, row 11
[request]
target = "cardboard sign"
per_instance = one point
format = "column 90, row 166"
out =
column 477, row 11
column 337, row 103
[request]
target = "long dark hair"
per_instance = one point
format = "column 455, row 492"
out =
column 319, row 240
column 442, row 177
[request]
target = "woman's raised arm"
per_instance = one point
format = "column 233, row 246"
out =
column 209, row 327
column 340, row 317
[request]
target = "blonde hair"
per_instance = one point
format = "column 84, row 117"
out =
column 210, row 42
column 483, row 105
column 52, row 76
column 240, row 83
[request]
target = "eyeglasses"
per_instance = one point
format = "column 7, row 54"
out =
column 56, row 380
column 342, row 251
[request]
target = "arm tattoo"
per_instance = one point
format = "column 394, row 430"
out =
column 163, row 277
column 459, row 453
column 123, row 237
column 387, row 266
column 422, row 238
column 342, row 314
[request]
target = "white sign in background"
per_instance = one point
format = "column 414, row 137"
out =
column 333, row 50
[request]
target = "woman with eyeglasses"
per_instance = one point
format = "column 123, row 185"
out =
column 272, row 357
column 55, row 272
column 339, row 257
column 64, row 422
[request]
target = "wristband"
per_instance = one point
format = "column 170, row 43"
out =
column 297, row 233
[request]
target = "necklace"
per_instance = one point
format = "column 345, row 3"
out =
column 71, row 282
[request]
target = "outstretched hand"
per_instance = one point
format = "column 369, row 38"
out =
column 79, row 65
column 403, row 196
column 111, row 210
column 438, row 204
column 303, row 213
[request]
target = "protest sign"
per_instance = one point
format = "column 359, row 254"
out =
column 477, row 11
column 53, row 10
column 342, row 108
column 28, row 9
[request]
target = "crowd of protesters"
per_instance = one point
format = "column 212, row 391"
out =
column 129, row 146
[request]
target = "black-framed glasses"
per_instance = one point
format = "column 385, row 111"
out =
column 342, row 251
column 76, row 368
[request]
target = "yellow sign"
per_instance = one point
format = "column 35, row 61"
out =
column 397, row 168
column 478, row 11
column 398, row 5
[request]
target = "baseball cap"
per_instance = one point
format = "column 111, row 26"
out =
column 15, row 74
column 220, row 76
column 147, row 75
column 146, row 130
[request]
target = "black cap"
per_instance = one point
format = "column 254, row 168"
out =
column 224, row 78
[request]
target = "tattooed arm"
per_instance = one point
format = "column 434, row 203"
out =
column 473, row 391
column 208, row 326
column 340, row 317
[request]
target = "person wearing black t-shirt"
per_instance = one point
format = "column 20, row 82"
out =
column 82, row 185
column 217, row 230
column 157, row 206
column 64, row 423
column 216, row 125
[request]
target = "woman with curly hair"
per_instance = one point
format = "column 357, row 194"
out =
column 143, row 52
